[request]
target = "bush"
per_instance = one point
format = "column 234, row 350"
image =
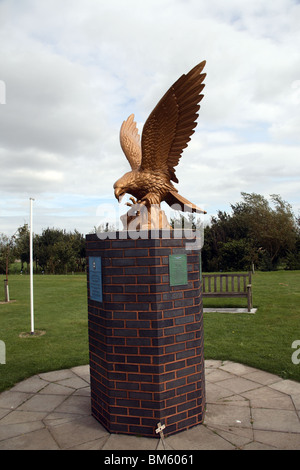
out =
column 234, row 256
column 292, row 261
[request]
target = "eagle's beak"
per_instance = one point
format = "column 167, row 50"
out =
column 119, row 193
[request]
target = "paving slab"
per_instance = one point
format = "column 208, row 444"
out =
column 217, row 375
column 95, row 444
column 216, row 393
column 228, row 415
column 236, row 368
column 56, row 389
column 73, row 382
column 83, row 372
column 287, row 386
column 85, row 391
column 78, row 431
column 269, row 419
column 198, row 438
column 123, row 442
column 32, row 385
column 3, row 412
column 296, row 401
column 75, row 404
column 18, row 417
column 264, row 378
column 246, row 409
column 237, row 436
column 239, row 384
column 36, row 440
column 11, row 400
column 52, row 419
column 266, row 397
column 56, row 375
column 40, row 402
column 212, row 364
column 11, row 430
column 258, row 446
column 281, row 440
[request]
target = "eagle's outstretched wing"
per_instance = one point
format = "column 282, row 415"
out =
column 169, row 127
column 130, row 142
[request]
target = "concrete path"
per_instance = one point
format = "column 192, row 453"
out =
column 246, row 409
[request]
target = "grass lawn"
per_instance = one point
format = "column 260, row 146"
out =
column 262, row 340
column 60, row 308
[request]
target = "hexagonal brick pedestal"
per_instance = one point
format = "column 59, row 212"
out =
column 145, row 336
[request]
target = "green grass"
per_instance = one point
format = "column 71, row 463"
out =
column 262, row 340
column 60, row 308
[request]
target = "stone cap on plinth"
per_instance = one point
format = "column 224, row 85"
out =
column 193, row 239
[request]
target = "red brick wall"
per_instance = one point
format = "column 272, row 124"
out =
column 146, row 338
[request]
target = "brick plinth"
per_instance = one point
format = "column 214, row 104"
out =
column 145, row 338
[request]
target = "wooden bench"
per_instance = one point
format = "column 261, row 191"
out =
column 228, row 285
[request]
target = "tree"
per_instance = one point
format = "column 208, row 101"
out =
column 77, row 241
column 45, row 248
column 59, row 252
column 22, row 245
column 235, row 255
column 293, row 256
column 272, row 229
column 6, row 257
column 255, row 232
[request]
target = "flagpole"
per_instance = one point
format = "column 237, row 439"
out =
column 31, row 270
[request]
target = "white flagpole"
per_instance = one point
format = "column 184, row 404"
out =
column 31, row 270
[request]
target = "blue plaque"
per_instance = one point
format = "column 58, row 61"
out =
column 95, row 274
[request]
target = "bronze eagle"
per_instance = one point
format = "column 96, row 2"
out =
column 166, row 133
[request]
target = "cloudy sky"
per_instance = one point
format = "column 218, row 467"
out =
column 72, row 71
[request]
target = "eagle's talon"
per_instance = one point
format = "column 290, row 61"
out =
column 133, row 203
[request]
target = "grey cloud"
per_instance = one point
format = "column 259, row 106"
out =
column 72, row 78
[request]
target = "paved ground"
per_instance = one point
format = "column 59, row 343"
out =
column 229, row 310
column 246, row 409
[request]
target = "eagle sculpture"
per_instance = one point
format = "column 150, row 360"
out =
column 166, row 133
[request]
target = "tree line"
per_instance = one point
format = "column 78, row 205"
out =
column 55, row 251
column 258, row 232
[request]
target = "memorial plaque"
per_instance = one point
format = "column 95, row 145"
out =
column 178, row 270
column 95, row 274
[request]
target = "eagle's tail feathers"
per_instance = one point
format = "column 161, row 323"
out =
column 174, row 197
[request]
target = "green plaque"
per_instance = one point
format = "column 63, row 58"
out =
column 178, row 270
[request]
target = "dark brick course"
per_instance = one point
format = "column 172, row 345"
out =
column 145, row 338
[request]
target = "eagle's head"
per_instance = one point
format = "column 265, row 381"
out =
column 123, row 185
